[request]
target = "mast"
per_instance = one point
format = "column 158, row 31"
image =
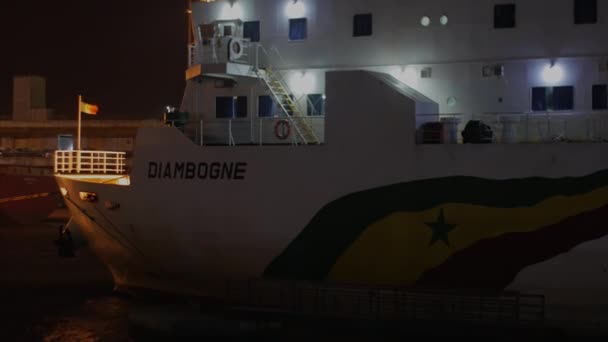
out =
column 190, row 22
column 190, row 30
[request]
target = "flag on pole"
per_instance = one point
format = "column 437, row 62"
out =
column 87, row 108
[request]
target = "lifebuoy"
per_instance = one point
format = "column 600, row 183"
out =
column 235, row 49
column 282, row 129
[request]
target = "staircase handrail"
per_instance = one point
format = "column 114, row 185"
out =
column 279, row 76
column 283, row 84
column 284, row 63
column 290, row 117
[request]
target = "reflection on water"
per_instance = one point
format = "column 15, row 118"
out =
column 66, row 317
column 98, row 319
column 47, row 298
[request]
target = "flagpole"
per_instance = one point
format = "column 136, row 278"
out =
column 79, row 123
column 79, row 120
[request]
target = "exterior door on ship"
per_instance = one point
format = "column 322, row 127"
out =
column 65, row 142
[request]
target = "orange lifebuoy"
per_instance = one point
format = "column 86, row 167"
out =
column 282, row 129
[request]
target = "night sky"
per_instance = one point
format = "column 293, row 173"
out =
column 128, row 57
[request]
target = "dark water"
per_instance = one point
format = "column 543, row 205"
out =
column 47, row 298
column 66, row 317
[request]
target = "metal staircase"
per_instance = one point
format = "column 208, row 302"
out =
column 284, row 98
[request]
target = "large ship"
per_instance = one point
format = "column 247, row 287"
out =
column 441, row 145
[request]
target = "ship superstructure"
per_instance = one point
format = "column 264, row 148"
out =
column 534, row 77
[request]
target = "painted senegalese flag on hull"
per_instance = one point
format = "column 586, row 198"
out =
column 453, row 232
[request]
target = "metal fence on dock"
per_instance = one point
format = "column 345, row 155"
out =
column 386, row 303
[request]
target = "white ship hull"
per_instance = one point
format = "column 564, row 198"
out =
column 155, row 240
column 367, row 207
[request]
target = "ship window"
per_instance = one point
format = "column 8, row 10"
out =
column 585, row 11
column 504, row 16
column 563, row 98
column 297, row 29
column 266, row 107
column 227, row 31
column 231, row 107
column 316, row 105
column 425, row 21
column 552, row 98
column 88, row 196
column 251, row 30
column 539, row 99
column 600, row 97
column 223, row 83
column 362, row 25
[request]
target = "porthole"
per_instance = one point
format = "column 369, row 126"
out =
column 443, row 20
column 425, row 21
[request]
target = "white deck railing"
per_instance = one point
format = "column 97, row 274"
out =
column 90, row 162
column 510, row 128
column 243, row 131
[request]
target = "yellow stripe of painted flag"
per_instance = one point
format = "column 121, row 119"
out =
column 87, row 108
column 397, row 250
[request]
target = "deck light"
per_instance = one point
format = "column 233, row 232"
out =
column 295, row 9
column 425, row 21
column 302, row 83
column 88, row 196
column 407, row 75
column 553, row 74
column 410, row 76
column 124, row 181
column 232, row 10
